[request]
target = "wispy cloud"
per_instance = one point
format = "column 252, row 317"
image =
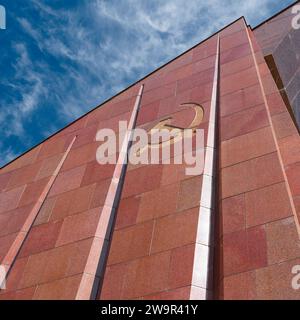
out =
column 7, row 153
column 74, row 56
column 27, row 92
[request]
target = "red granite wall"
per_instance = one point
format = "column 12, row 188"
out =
column 53, row 201
column 259, row 144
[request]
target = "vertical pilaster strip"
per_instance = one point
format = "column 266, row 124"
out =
column 201, row 286
column 95, row 265
column 14, row 249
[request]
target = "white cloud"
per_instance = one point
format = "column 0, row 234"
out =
column 103, row 46
column 7, row 154
column 141, row 36
column 28, row 94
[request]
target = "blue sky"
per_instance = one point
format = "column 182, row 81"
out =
column 59, row 59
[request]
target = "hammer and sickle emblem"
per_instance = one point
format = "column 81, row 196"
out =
column 166, row 124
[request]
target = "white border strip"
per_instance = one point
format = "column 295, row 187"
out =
column 201, row 287
column 95, row 265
